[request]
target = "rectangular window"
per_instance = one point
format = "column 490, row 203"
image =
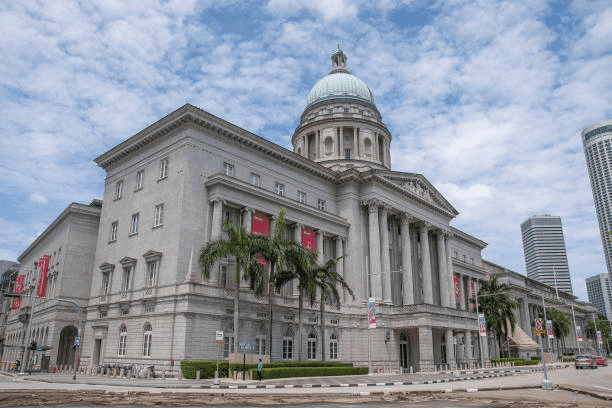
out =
column 261, row 347
column 163, row 169
column 287, row 349
column 321, row 205
column 105, row 283
column 279, row 189
column 113, row 232
column 347, row 154
column 119, row 190
column 301, row 197
column 228, row 169
column 127, row 278
column 139, row 180
column 134, row 225
column 151, row 274
column 255, row 180
column 333, row 350
column 346, row 110
column 159, row 215
column 148, row 337
column 228, row 345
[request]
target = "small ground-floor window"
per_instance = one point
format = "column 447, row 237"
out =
column 312, row 347
column 333, row 347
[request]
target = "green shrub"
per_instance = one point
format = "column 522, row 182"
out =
column 294, row 372
column 538, row 358
column 207, row 368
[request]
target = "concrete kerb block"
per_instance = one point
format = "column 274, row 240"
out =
column 197, row 375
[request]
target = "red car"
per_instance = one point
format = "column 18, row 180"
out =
column 600, row 361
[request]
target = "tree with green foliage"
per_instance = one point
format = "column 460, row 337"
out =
column 560, row 322
column 330, row 284
column 244, row 248
column 498, row 308
column 274, row 251
column 603, row 326
column 300, row 267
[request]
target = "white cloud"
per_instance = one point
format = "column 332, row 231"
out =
column 38, row 198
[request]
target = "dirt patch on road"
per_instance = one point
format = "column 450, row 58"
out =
column 519, row 399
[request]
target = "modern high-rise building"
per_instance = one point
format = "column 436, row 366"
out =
column 545, row 254
column 600, row 293
column 597, row 142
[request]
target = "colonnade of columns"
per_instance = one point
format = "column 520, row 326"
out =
column 379, row 258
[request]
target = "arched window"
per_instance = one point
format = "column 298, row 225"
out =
column 333, row 347
column 148, row 336
column 367, row 147
column 122, row 340
column 312, row 346
column 288, row 346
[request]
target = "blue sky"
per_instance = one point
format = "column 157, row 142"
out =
column 486, row 99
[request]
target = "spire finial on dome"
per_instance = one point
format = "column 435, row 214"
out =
column 339, row 61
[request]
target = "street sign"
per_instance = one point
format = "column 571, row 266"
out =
column 539, row 326
column 219, row 336
column 244, row 346
column 77, row 340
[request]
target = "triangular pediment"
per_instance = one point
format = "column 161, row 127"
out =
column 417, row 186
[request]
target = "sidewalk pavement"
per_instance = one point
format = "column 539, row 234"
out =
column 375, row 380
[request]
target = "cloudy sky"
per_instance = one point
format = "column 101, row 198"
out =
column 485, row 98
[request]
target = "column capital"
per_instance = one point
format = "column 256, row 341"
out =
column 217, row 200
column 248, row 210
column 372, row 205
column 443, row 232
column 407, row 218
column 424, row 225
column 299, row 225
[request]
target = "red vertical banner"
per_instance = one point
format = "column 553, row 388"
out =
column 260, row 225
column 43, row 265
column 457, row 291
column 473, row 284
column 16, row 303
column 309, row 239
column 19, row 284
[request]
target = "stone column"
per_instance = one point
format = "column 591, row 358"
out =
column 449, row 270
column 247, row 219
column 340, row 263
column 216, row 233
column 450, row 349
column 386, row 262
column 443, row 275
column 374, row 242
column 306, row 146
column 355, row 148
column 462, row 291
column 408, row 295
column 426, row 355
column 319, row 243
column 427, row 281
column 467, row 343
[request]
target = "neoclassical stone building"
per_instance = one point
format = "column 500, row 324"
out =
column 170, row 186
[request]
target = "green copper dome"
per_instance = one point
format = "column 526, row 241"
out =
column 340, row 85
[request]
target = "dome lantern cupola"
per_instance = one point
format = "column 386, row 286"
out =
column 341, row 127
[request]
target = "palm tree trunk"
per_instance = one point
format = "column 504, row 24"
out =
column 270, row 297
column 322, row 328
column 300, row 315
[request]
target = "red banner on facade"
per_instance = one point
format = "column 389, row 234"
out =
column 16, row 303
column 43, row 265
column 309, row 239
column 260, row 225
column 473, row 284
column 457, row 291
column 19, row 284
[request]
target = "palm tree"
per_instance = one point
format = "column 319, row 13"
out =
column 329, row 282
column 300, row 267
column 245, row 248
column 497, row 306
column 274, row 251
column 560, row 322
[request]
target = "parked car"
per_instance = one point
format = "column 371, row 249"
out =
column 601, row 361
column 585, row 361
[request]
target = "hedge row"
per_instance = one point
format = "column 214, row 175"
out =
column 207, row 368
column 293, row 372
column 518, row 361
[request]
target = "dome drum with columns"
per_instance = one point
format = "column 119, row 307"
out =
column 341, row 127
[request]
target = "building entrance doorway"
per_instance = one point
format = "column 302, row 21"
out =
column 96, row 352
column 65, row 352
column 404, row 345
